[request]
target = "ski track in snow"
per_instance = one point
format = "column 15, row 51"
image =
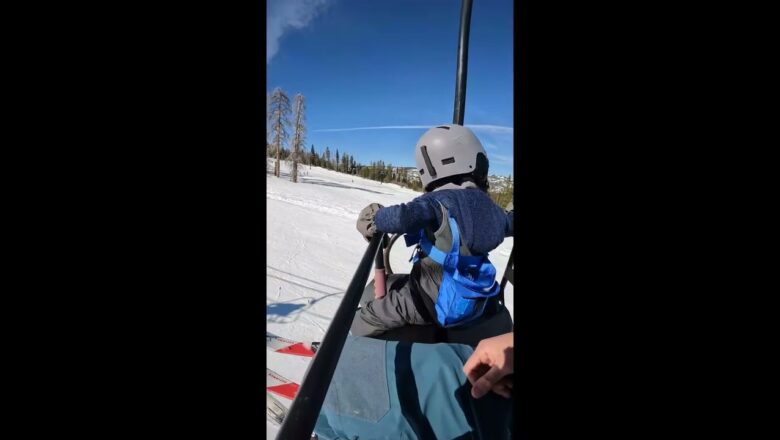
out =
column 313, row 250
column 309, row 205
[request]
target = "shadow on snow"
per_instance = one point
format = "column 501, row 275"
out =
column 276, row 312
column 338, row 185
column 281, row 309
column 315, row 181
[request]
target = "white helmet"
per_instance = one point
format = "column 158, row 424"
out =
column 450, row 150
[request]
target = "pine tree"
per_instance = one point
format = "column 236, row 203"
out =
column 300, row 134
column 345, row 163
column 280, row 111
column 267, row 118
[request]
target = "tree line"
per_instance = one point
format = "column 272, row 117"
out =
column 284, row 119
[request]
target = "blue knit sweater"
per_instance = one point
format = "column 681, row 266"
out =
column 483, row 224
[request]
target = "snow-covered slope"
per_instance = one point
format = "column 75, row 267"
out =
column 313, row 250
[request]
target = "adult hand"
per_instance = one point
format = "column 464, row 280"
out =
column 489, row 366
column 365, row 222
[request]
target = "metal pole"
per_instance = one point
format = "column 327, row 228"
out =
column 302, row 416
column 463, row 60
column 379, row 261
column 510, row 266
column 380, row 275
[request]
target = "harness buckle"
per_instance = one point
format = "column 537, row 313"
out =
column 415, row 254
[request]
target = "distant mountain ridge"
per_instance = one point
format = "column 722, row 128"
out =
column 494, row 180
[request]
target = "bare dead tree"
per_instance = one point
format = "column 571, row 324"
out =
column 280, row 112
column 299, row 134
column 267, row 128
column 267, row 118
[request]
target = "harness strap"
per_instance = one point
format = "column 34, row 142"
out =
column 437, row 254
column 455, row 260
column 469, row 280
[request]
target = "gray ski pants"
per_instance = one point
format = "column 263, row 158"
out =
column 396, row 309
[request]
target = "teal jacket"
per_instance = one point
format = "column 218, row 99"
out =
column 401, row 390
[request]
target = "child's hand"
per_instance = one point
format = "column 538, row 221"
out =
column 490, row 364
column 365, row 222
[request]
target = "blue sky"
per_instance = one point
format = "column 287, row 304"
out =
column 365, row 64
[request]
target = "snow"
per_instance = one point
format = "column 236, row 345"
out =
column 313, row 250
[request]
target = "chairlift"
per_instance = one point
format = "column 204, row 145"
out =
column 302, row 415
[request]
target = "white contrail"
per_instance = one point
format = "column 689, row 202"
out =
column 490, row 128
column 384, row 127
column 493, row 128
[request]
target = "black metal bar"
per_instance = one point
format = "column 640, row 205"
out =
column 302, row 416
column 463, row 61
column 379, row 260
column 510, row 264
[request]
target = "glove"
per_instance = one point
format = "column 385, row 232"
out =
column 365, row 222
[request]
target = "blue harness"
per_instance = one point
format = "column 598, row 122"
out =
column 467, row 281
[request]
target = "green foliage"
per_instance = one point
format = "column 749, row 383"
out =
column 386, row 173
